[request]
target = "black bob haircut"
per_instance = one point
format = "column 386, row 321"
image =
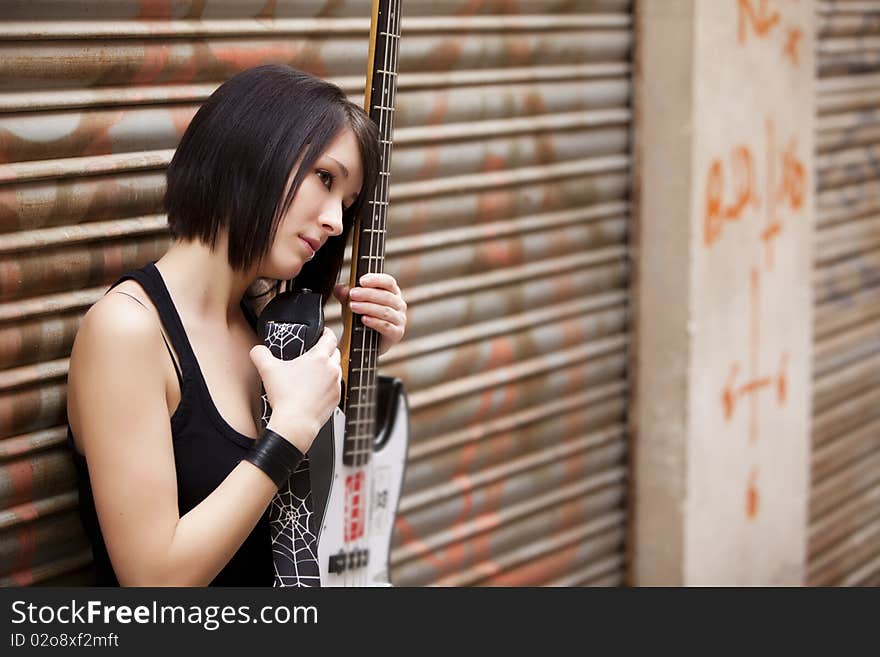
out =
column 231, row 167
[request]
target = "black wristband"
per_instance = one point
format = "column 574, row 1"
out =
column 275, row 456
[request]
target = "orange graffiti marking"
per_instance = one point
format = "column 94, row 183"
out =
column 493, row 205
column 430, row 164
column 21, row 475
column 268, row 10
column 181, row 118
column 441, row 107
column 490, row 518
column 238, row 57
column 791, row 45
column 156, row 58
column 533, row 102
column 762, row 19
column 445, row 55
column 153, row 9
column 455, row 555
column 410, row 537
column 754, row 347
column 493, row 162
column 790, row 190
column 113, row 259
column 752, row 496
column 732, row 393
column 773, row 230
column 518, row 51
column 793, row 177
column 742, row 164
column 536, row 571
column 782, row 380
column 772, row 226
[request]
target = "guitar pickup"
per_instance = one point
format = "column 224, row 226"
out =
column 343, row 561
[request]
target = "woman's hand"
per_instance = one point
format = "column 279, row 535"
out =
column 379, row 302
column 302, row 392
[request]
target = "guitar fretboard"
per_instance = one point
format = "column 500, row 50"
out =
column 360, row 399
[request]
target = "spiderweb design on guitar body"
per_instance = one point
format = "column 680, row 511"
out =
column 292, row 524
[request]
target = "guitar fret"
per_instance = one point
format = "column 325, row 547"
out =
column 361, row 404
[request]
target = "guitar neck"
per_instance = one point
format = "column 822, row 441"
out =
column 360, row 352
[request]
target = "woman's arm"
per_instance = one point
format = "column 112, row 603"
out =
column 117, row 386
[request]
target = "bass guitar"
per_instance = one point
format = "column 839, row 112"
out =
column 332, row 524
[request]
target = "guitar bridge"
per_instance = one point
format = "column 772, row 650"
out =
column 343, row 561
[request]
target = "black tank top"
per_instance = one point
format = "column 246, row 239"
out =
column 206, row 449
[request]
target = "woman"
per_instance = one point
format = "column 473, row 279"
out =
column 166, row 370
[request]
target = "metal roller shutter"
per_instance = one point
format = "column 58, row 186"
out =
column 509, row 220
column 844, row 543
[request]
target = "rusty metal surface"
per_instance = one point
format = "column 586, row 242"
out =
column 509, row 222
column 844, row 541
column 207, row 9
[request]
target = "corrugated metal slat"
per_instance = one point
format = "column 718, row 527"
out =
column 844, row 544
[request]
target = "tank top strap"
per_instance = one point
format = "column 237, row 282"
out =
column 151, row 281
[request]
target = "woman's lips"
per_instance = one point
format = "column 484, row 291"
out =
column 311, row 249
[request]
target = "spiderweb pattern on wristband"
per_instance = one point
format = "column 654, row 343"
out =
column 291, row 513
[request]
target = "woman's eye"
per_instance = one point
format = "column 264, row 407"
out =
column 326, row 178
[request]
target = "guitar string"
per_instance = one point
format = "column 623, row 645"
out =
column 377, row 238
column 374, row 265
column 366, row 339
column 363, row 406
column 362, row 402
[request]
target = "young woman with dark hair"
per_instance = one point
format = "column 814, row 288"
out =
column 164, row 386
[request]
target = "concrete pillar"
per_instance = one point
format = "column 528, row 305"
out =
column 722, row 277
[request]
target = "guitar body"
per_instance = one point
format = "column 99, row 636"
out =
column 356, row 504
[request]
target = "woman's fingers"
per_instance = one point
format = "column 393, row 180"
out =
column 380, row 304
column 381, row 281
column 326, row 344
column 376, row 311
column 385, row 328
column 375, row 296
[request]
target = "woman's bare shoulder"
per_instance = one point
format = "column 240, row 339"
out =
column 117, row 332
column 114, row 363
column 119, row 319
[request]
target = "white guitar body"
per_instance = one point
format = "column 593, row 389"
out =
column 354, row 536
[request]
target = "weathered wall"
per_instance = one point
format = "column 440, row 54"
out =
column 724, row 371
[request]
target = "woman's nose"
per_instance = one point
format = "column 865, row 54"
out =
column 331, row 218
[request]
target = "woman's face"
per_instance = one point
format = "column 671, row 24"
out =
column 315, row 214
